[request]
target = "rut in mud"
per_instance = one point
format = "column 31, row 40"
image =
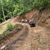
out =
column 32, row 38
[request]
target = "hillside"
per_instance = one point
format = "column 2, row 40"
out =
column 24, row 24
column 30, row 38
column 38, row 37
column 41, row 18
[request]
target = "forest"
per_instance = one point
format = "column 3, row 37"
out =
column 12, row 8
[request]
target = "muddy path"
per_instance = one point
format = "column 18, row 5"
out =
column 30, row 38
column 20, row 36
column 37, row 39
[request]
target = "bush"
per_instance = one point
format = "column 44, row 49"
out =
column 10, row 8
column 40, row 4
column 11, row 30
column 10, row 27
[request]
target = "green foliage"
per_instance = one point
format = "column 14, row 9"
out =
column 40, row 4
column 10, row 27
column 10, row 8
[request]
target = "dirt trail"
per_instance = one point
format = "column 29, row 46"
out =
column 30, row 38
column 20, row 36
column 26, row 43
column 37, row 39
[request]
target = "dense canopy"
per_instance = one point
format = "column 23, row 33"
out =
column 10, row 8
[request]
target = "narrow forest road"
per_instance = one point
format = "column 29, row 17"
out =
column 30, row 38
column 38, row 38
column 20, row 36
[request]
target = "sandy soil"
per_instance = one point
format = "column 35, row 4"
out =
column 36, row 38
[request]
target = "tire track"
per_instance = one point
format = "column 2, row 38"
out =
column 17, row 39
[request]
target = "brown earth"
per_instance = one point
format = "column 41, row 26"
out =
column 41, row 18
column 38, row 37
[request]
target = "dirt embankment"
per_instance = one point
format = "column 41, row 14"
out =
column 42, row 18
column 38, row 38
column 18, row 37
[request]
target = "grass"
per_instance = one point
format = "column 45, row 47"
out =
column 3, row 28
column 9, row 29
